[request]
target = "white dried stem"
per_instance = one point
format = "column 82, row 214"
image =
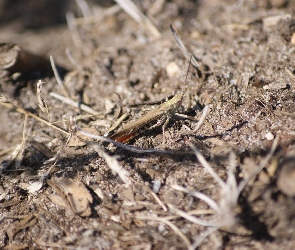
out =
column 201, row 237
column 84, row 8
column 207, row 166
column 58, row 79
column 192, row 218
column 138, row 16
column 111, row 162
column 200, row 196
column 158, row 200
column 206, row 111
column 173, row 227
column 73, row 60
column 262, row 165
column 75, row 104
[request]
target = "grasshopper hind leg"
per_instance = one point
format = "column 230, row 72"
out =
column 163, row 130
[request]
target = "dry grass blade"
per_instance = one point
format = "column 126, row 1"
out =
column 98, row 18
column 116, row 123
column 192, row 218
column 58, row 79
column 208, row 167
column 199, row 195
column 73, row 60
column 58, row 154
column 8, row 104
column 192, row 212
column 173, row 227
column 189, row 56
column 262, row 165
column 73, row 30
column 158, row 200
column 41, row 102
column 74, row 104
column 138, row 16
column 206, row 111
column 111, row 162
column 201, row 237
column 84, row 8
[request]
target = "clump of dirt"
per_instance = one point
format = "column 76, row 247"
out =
column 226, row 184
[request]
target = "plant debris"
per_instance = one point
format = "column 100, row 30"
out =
column 85, row 162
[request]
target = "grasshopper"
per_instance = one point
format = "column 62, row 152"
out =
column 154, row 118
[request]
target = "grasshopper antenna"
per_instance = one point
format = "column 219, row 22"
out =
column 185, row 80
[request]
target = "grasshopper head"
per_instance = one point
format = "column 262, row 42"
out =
column 175, row 102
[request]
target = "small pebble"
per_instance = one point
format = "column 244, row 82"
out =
column 269, row 136
column 161, row 228
column 156, row 167
column 156, row 186
column 172, row 69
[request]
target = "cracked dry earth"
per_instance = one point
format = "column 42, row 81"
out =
column 228, row 185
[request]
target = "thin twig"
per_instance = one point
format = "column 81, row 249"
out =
column 73, row 60
column 192, row 212
column 75, row 104
column 54, row 159
column 138, row 16
column 111, row 162
column 116, row 124
column 192, row 218
column 158, row 200
column 23, row 111
column 199, row 195
column 206, row 165
column 58, row 79
column 129, row 148
column 73, row 29
column 262, row 165
column 170, row 224
column 201, row 237
column 290, row 73
column 84, row 8
column 206, row 111
column 97, row 18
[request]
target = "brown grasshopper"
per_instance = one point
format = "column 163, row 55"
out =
column 154, row 118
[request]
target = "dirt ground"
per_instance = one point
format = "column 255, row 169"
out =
column 227, row 185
